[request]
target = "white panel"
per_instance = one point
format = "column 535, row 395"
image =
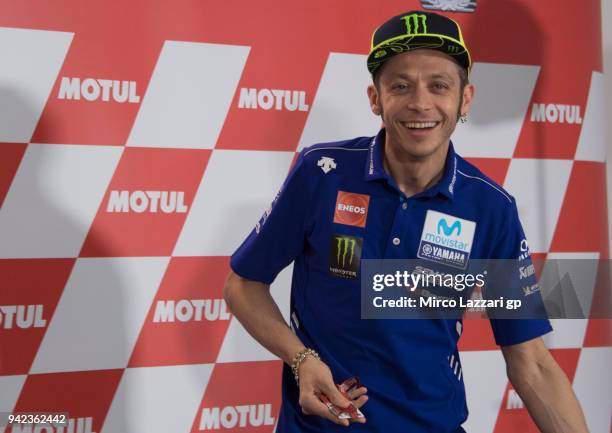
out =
column 189, row 95
column 341, row 109
column 31, row 61
column 10, row 388
column 501, row 100
column 234, row 192
column 593, row 387
column 484, row 374
column 238, row 345
column 158, row 399
column 54, row 198
column 100, row 314
column 592, row 141
column 539, row 187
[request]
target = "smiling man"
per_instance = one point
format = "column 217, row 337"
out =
column 382, row 197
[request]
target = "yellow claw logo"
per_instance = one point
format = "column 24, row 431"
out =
column 346, row 247
column 415, row 23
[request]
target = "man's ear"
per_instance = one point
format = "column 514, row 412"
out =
column 374, row 99
column 468, row 96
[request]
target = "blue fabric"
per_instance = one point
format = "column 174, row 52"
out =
column 408, row 366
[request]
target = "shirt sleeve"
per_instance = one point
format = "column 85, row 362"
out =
column 279, row 235
column 519, row 283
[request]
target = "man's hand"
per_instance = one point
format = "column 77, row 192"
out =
column 316, row 378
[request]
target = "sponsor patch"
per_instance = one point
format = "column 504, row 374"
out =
column 446, row 239
column 345, row 256
column 351, row 209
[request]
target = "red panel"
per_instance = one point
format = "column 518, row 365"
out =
column 495, row 168
column 30, row 292
column 192, row 291
column 477, row 335
column 583, row 220
column 253, row 384
column 143, row 228
column 83, row 395
column 10, row 158
column 516, row 418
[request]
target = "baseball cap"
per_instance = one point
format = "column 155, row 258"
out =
column 416, row 30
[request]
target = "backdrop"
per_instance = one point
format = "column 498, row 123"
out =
column 141, row 141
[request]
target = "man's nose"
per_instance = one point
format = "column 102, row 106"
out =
column 420, row 98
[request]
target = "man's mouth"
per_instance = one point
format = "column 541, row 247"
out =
column 420, row 125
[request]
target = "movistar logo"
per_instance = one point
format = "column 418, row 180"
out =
column 443, row 225
column 345, row 250
column 415, row 23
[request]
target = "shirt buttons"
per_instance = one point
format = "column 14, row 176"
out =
column 404, row 205
column 396, row 241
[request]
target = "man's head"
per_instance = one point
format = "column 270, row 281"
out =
column 420, row 66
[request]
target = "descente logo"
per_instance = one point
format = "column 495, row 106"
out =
column 92, row 89
column 266, row 99
column 143, row 201
column 253, row 415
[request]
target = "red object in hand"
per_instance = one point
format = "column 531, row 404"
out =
column 350, row 412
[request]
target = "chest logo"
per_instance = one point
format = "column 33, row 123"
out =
column 327, row 164
column 345, row 256
column 351, row 209
column 446, row 239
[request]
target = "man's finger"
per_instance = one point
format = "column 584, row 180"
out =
column 356, row 393
column 360, row 401
column 335, row 396
column 314, row 406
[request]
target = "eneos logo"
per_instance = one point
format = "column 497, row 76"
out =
column 351, row 209
column 446, row 239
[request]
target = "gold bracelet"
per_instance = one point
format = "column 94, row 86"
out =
column 299, row 358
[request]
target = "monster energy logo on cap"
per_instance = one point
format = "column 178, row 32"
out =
column 345, row 256
column 415, row 24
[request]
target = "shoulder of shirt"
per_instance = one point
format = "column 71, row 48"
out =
column 484, row 187
column 337, row 149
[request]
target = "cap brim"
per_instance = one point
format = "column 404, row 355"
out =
column 448, row 46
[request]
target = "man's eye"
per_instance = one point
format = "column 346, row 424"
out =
column 440, row 86
column 399, row 86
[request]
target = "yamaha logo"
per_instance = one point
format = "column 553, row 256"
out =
column 450, row 5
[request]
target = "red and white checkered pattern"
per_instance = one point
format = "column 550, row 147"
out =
column 117, row 218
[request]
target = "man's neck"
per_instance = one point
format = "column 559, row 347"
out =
column 414, row 175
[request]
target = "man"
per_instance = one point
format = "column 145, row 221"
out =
column 372, row 198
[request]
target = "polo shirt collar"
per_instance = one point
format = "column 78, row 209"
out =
column 374, row 168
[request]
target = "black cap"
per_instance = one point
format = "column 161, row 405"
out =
column 418, row 30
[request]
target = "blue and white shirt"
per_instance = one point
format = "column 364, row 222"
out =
column 337, row 206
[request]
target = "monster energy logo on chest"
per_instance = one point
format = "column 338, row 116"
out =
column 415, row 24
column 345, row 255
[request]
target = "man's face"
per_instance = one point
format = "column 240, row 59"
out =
column 419, row 98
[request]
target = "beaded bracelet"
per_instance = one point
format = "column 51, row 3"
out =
column 299, row 358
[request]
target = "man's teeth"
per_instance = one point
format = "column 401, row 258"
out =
column 420, row 125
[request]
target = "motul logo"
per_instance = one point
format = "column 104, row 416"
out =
column 22, row 316
column 191, row 310
column 236, row 416
column 92, row 89
column 147, row 201
column 556, row 113
column 74, row 425
column 290, row 100
column 351, row 208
